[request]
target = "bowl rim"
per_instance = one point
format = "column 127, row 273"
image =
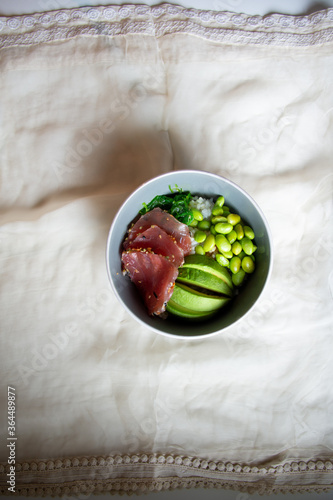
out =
column 212, row 176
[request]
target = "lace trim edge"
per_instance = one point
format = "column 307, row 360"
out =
column 288, row 466
column 167, row 19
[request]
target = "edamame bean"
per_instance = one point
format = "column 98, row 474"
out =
column 238, row 278
column 200, row 236
column 232, row 236
column 209, row 243
column 204, row 225
column 228, row 255
column 233, row 219
column 223, row 227
column 218, row 218
column 217, row 210
column 239, row 231
column 222, row 243
column 236, row 248
column 248, row 265
column 247, row 245
column 199, row 250
column 249, row 233
column 235, row 264
column 212, row 230
column 197, row 215
column 194, row 223
column 222, row 260
column 220, row 201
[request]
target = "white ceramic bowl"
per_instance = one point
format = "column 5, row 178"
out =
column 207, row 185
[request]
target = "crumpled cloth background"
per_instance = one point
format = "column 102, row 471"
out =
column 93, row 103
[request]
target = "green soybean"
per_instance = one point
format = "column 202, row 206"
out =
column 248, row 265
column 233, row 219
column 197, row 214
column 222, row 243
column 228, row 254
column 204, row 225
column 249, row 233
column 217, row 210
column 238, row 277
column 213, row 231
column 218, row 218
column 199, row 250
column 194, row 223
column 209, row 243
column 223, row 227
column 200, row 236
column 232, row 236
column 236, row 248
column 220, row 201
column 239, row 231
column 222, row 260
column 235, row 264
column 247, row 245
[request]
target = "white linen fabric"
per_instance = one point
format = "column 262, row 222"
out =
column 94, row 101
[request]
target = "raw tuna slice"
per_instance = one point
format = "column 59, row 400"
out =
column 154, row 276
column 156, row 240
column 165, row 221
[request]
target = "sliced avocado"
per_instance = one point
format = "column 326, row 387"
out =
column 183, row 312
column 203, row 279
column 197, row 301
column 209, row 265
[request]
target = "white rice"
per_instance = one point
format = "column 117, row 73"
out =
column 205, row 206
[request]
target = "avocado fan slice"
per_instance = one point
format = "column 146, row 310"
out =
column 194, row 300
column 209, row 265
column 204, row 280
column 184, row 312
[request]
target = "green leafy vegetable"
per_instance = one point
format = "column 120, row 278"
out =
column 177, row 204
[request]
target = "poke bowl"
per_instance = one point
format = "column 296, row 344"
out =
column 199, row 187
